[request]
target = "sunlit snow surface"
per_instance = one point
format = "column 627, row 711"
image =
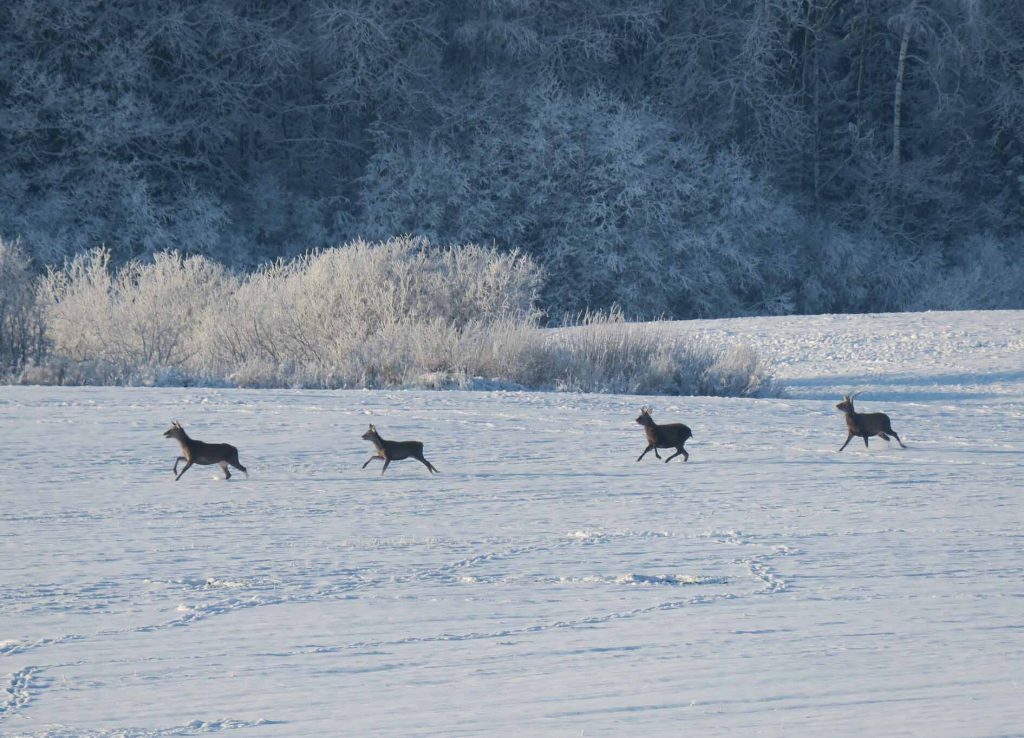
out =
column 544, row 583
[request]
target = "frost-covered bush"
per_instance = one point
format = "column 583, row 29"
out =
column 604, row 353
column 139, row 323
column 600, row 352
column 21, row 325
column 350, row 316
column 397, row 313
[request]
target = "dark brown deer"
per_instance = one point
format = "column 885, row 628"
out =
column 865, row 424
column 395, row 451
column 197, row 452
column 669, row 435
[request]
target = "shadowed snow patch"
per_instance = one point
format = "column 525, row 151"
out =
column 671, row 580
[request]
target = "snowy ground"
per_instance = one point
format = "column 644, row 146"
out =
column 544, row 583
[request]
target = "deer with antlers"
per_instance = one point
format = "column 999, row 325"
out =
column 395, row 451
column 865, row 424
column 669, row 435
column 197, row 452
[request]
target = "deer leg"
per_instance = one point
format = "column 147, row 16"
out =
column 370, row 459
column 656, row 454
column 386, row 462
column 847, row 441
column 179, row 459
column 427, row 464
column 674, row 455
column 645, row 452
column 866, row 440
column 238, row 465
column 897, row 438
column 183, row 470
column 224, row 468
column 883, row 436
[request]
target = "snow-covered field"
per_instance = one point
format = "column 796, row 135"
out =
column 544, row 583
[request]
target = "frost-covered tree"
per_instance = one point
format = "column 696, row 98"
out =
column 582, row 132
column 619, row 206
column 21, row 323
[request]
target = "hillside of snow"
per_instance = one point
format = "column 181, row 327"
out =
column 544, row 583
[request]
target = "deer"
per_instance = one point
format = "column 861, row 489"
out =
column 865, row 424
column 395, row 451
column 669, row 435
column 197, row 452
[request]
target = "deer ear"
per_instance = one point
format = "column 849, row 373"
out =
column 371, row 427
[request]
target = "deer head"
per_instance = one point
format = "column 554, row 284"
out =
column 847, row 404
column 645, row 416
column 175, row 431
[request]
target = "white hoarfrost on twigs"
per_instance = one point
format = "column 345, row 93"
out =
column 544, row 583
column 395, row 314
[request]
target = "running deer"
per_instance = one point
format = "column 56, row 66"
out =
column 865, row 424
column 197, row 452
column 670, row 435
column 395, row 450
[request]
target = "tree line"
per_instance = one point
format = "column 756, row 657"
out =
column 703, row 158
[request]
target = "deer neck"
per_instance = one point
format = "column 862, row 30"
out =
column 185, row 442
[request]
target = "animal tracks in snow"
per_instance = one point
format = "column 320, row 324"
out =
column 18, row 691
column 192, row 727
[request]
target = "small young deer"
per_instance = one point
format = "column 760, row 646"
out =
column 395, row 450
column 865, row 424
column 197, row 452
column 670, row 435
